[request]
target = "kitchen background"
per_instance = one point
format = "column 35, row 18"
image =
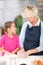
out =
column 10, row 9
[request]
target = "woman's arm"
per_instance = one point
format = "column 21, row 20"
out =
column 22, row 34
column 32, row 51
column 27, row 53
column 40, row 48
column 23, row 53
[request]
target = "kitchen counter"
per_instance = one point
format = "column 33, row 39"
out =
column 15, row 60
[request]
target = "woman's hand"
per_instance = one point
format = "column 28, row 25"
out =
column 23, row 54
column 20, row 51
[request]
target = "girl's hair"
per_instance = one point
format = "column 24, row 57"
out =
column 2, row 31
column 30, row 11
column 6, row 26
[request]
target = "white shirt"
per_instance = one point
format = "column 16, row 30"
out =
column 23, row 30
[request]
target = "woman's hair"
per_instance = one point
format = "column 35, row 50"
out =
column 30, row 11
column 6, row 26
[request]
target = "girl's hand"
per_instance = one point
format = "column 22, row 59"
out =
column 12, row 52
column 15, row 51
column 7, row 53
column 4, row 51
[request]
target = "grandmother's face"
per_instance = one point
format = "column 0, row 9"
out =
column 31, row 19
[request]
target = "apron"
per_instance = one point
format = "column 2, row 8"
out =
column 32, row 38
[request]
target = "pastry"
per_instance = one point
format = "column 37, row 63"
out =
column 37, row 62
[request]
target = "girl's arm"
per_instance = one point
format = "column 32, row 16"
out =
column 17, row 45
column 2, row 41
column 15, row 51
column 3, row 50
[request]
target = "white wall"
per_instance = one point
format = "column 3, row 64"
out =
column 8, row 10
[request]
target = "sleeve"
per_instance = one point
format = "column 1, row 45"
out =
column 40, row 48
column 18, row 43
column 22, row 34
column 2, row 39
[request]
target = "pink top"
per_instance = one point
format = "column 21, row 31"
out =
column 8, row 43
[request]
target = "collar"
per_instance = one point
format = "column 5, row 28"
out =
column 37, row 24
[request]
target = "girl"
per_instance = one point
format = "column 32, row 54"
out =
column 9, row 42
column 31, row 31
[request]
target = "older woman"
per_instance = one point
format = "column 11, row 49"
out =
column 30, row 33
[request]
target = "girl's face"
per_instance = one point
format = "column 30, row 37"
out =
column 12, row 29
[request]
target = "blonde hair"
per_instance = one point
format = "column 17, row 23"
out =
column 30, row 11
